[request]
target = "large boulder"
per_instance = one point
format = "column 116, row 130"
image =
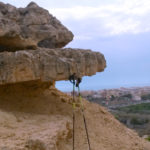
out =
column 48, row 65
column 27, row 28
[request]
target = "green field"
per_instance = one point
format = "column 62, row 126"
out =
column 136, row 117
column 139, row 108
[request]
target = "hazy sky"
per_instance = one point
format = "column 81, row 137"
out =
column 120, row 29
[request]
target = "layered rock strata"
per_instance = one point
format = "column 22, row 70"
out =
column 21, row 31
column 48, row 65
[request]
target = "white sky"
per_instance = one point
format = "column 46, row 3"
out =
column 126, row 16
column 111, row 17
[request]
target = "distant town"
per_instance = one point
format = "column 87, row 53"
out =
column 119, row 97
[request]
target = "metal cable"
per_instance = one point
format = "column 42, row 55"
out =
column 73, row 81
column 84, row 119
column 74, row 115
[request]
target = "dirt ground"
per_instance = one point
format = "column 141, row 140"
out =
column 42, row 120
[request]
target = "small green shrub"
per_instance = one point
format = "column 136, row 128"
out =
column 139, row 108
column 145, row 97
column 139, row 121
column 128, row 96
column 148, row 139
column 116, row 116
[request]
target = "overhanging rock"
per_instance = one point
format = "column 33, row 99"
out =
column 48, row 65
column 27, row 28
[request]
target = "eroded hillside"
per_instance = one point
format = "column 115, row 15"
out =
column 42, row 119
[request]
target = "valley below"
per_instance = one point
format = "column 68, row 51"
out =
column 131, row 106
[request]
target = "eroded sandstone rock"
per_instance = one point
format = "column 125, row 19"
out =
column 48, row 65
column 43, row 121
column 27, row 28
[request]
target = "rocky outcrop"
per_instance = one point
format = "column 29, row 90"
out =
column 27, row 28
column 48, row 65
column 22, row 31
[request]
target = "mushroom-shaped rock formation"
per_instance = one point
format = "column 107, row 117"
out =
column 33, row 114
column 48, row 65
column 27, row 28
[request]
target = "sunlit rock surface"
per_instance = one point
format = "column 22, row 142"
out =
column 48, row 64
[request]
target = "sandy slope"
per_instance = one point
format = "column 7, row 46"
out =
column 43, row 121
